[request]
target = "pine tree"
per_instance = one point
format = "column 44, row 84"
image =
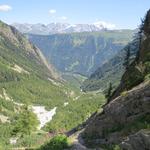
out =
column 127, row 58
column 109, row 91
column 138, row 37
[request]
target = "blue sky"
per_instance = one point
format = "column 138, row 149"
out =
column 122, row 13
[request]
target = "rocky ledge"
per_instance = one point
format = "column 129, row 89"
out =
column 121, row 119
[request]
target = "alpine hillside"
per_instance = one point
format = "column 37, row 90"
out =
column 34, row 100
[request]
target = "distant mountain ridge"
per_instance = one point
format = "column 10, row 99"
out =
column 54, row 28
column 81, row 53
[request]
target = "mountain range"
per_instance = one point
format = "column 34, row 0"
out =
column 54, row 28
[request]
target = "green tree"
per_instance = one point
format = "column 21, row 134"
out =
column 109, row 91
column 25, row 122
column 127, row 58
column 139, row 36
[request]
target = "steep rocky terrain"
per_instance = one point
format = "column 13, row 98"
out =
column 83, row 52
column 125, row 120
column 111, row 71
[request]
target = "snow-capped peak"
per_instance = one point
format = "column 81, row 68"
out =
column 104, row 25
column 54, row 28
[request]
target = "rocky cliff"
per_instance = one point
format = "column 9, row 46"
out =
column 123, row 116
column 125, row 120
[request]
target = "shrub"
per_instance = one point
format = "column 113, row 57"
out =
column 117, row 147
column 58, row 142
column 147, row 77
column 125, row 93
column 25, row 123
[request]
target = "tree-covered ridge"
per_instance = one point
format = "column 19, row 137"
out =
column 82, row 52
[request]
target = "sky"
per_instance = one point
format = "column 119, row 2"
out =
column 120, row 14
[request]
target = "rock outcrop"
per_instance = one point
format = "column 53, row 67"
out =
column 138, row 141
column 128, row 113
column 120, row 116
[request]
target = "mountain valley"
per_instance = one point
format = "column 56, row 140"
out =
column 26, row 79
column 74, row 87
column 81, row 53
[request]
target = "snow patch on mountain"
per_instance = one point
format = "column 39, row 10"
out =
column 104, row 25
column 54, row 28
column 43, row 115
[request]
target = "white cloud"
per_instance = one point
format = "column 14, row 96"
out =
column 63, row 18
column 5, row 8
column 103, row 24
column 52, row 11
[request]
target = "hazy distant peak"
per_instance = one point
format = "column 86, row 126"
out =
column 102, row 24
column 56, row 27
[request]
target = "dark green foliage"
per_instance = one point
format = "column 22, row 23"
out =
column 56, row 143
column 146, row 27
column 109, row 91
column 25, row 122
column 127, row 58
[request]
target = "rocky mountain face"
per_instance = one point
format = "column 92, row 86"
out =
column 111, row 71
column 81, row 53
column 54, row 28
column 12, row 39
column 125, row 120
